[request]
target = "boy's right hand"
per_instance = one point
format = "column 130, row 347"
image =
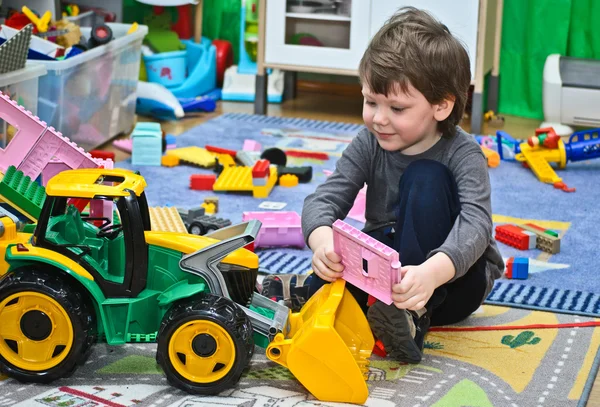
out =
column 326, row 263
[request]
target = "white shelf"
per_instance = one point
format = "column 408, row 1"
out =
column 318, row 16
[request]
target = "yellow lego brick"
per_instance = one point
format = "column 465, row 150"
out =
column 239, row 179
column 194, row 155
column 169, row 160
column 209, row 208
column 165, row 219
column 288, row 180
column 225, row 159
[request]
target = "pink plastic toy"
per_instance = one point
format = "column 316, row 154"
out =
column 251, row 145
column 124, row 144
column 368, row 264
column 278, row 229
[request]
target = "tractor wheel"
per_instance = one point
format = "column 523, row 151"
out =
column 196, row 229
column 47, row 325
column 204, row 344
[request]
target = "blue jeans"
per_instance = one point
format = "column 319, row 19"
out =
column 428, row 205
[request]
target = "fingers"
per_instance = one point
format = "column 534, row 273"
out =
column 326, row 267
column 332, row 260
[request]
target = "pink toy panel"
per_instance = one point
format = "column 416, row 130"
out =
column 278, row 229
column 368, row 264
column 29, row 129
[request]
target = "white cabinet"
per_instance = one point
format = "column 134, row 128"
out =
column 341, row 30
column 460, row 16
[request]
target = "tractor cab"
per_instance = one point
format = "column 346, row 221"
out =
column 112, row 249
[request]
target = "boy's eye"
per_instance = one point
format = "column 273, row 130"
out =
column 397, row 109
column 369, row 103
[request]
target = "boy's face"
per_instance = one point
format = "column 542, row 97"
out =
column 401, row 121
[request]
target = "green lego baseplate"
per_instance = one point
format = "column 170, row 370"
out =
column 23, row 194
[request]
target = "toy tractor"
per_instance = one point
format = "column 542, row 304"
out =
column 77, row 280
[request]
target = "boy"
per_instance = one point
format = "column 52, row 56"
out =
column 428, row 192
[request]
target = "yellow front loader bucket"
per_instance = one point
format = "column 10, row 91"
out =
column 328, row 346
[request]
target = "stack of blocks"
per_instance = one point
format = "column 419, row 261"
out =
column 517, row 268
column 528, row 236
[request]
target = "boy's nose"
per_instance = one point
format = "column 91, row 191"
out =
column 380, row 118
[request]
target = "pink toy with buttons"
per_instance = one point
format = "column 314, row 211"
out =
column 368, row 264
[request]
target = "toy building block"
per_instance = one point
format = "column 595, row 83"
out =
column 517, row 268
column 198, row 223
column 194, row 155
column 123, row 144
column 368, row 264
column 169, row 161
column 307, row 154
column 251, row 145
column 36, row 144
column 260, row 173
column 239, row 179
column 247, row 158
column 304, row 174
column 102, row 154
column 200, row 182
column 26, row 196
column 166, row 219
column 209, row 208
column 147, row 144
column 225, row 160
column 219, row 150
column 515, row 236
column 171, row 141
column 278, row 229
column 13, row 52
column 545, row 241
column 288, row 180
column 213, row 200
column 493, row 158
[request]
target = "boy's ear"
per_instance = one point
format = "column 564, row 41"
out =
column 444, row 108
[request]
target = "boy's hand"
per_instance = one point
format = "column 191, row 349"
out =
column 415, row 288
column 327, row 264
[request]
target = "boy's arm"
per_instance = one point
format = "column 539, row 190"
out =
column 472, row 230
column 334, row 198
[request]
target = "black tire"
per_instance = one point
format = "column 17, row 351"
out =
column 51, row 286
column 196, row 227
column 209, row 310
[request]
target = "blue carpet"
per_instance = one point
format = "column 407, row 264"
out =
column 516, row 193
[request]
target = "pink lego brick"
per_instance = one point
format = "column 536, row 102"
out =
column 125, row 144
column 357, row 212
column 29, row 130
column 100, row 208
column 251, row 145
column 368, row 264
column 278, row 229
column 51, row 169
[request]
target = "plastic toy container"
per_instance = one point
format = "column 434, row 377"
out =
column 278, row 229
column 167, row 68
column 86, row 19
column 91, row 97
column 22, row 87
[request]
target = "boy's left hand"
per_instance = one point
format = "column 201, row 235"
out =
column 414, row 289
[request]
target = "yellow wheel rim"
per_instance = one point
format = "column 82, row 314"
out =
column 36, row 333
column 202, row 351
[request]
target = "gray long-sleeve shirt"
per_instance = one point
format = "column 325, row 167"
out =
column 364, row 161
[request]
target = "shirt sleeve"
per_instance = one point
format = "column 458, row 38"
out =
column 472, row 230
column 334, row 198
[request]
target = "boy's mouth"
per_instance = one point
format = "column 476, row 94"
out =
column 384, row 136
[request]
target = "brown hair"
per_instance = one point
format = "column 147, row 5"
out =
column 413, row 47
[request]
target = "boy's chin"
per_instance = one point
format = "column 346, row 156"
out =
column 390, row 145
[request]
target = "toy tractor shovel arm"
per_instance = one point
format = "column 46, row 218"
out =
column 204, row 261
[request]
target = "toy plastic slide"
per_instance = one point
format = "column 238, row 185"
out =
column 155, row 100
column 327, row 346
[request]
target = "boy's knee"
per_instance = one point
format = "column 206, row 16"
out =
column 429, row 174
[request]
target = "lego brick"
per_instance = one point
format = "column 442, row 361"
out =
column 513, row 236
column 220, row 150
column 545, row 242
column 21, row 193
column 239, row 179
column 304, row 174
column 247, row 158
column 147, row 145
column 213, row 200
column 166, row 220
column 517, row 268
column 368, row 264
column 509, row 268
column 200, row 182
column 532, row 239
column 278, row 229
column 194, row 155
column 261, row 169
column 123, row 144
column 102, row 154
column 169, row 161
column 288, row 180
column 209, row 208
column 307, row 154
column 225, row 160
column 251, row 145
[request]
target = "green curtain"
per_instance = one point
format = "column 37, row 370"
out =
column 221, row 20
column 532, row 30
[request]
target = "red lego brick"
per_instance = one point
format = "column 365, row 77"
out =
column 509, row 268
column 105, row 155
column 307, row 154
column 536, row 227
column 220, row 150
column 79, row 203
column 261, row 169
column 513, row 236
column 200, row 182
column 379, row 349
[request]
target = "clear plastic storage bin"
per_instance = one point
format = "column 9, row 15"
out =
column 22, row 87
column 91, row 97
